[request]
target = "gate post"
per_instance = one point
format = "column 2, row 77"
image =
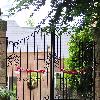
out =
column 3, row 52
column 97, row 67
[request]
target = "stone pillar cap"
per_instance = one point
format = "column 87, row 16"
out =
column 3, row 24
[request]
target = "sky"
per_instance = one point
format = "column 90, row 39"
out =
column 21, row 17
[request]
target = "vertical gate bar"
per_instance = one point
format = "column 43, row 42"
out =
column 6, row 59
column 58, row 97
column 12, row 79
column 51, row 89
column 9, row 82
column 63, row 78
column 79, row 56
column 82, row 53
column 47, row 77
column 94, row 70
column 53, row 61
column 79, row 53
column 47, row 51
column 37, row 65
column 20, row 63
column 40, row 86
column 33, row 95
column 27, row 55
column 34, row 45
column 44, row 47
column 41, row 33
column 66, row 89
column 57, row 46
column 30, row 83
column 60, row 61
column 47, row 67
column 52, row 64
column 24, row 40
column 23, row 89
column 82, row 59
column 16, row 91
column 13, row 47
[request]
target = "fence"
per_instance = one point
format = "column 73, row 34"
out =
column 39, row 73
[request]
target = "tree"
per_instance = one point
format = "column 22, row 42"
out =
column 88, row 9
column 30, row 22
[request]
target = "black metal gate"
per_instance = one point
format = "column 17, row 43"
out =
column 38, row 74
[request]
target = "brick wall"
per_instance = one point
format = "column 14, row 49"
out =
column 32, row 63
column 3, row 28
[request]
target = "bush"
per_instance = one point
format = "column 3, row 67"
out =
column 5, row 94
column 80, row 57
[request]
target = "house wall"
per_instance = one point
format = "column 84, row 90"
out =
column 32, row 63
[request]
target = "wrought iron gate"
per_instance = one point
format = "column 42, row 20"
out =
column 34, row 74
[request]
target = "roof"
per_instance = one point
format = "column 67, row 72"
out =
column 18, row 34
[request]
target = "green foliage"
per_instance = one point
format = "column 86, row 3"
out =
column 30, row 22
column 5, row 93
column 80, row 56
column 34, row 77
column 58, row 89
column 14, row 90
column 64, row 12
column 19, row 5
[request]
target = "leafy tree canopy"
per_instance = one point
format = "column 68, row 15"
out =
column 89, row 9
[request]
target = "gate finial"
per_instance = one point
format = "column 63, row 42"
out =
column 0, row 11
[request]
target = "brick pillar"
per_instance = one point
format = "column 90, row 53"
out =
column 97, row 67
column 97, row 85
column 3, row 29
